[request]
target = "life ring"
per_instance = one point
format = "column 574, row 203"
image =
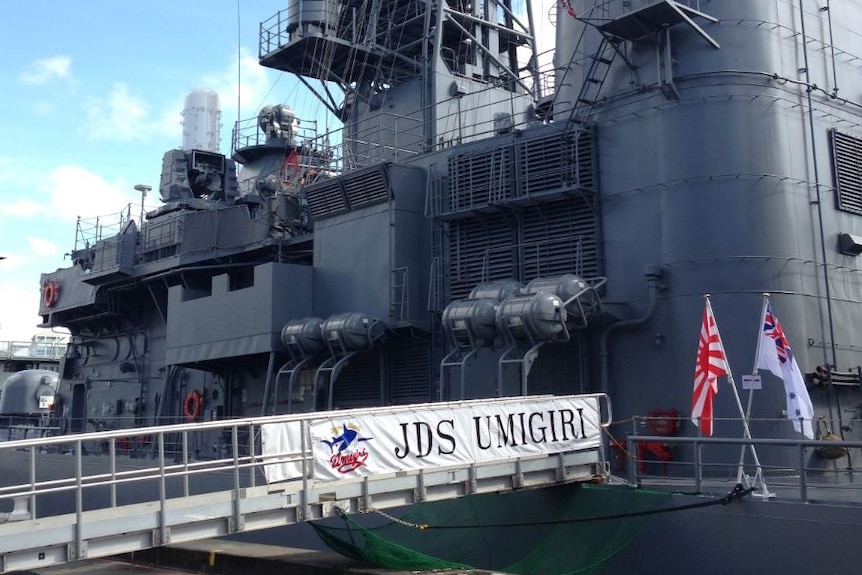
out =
column 50, row 293
column 192, row 405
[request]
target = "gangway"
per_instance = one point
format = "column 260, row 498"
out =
column 69, row 502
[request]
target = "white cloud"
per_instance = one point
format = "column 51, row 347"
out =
column 42, row 247
column 73, row 189
column 18, row 322
column 43, row 71
column 21, row 207
column 119, row 117
column 254, row 90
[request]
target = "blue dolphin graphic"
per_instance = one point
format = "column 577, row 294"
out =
column 344, row 440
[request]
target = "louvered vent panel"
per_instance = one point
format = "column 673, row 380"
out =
column 365, row 188
column 480, row 178
column 544, row 162
column 560, row 237
column 585, row 178
column 326, row 199
column 557, row 370
column 358, row 384
column 410, row 373
column 475, row 253
column 847, row 158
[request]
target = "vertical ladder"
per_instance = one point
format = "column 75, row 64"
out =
column 400, row 298
column 592, row 84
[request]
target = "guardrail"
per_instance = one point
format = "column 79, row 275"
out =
column 114, row 502
column 806, row 470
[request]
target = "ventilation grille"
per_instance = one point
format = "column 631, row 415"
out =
column 475, row 252
column 555, row 162
column 847, row 160
column 541, row 240
column 358, row 384
column 365, row 188
column 545, row 239
column 480, row 178
column 326, row 199
column 552, row 163
column 557, row 371
column 559, row 237
column 410, row 369
column 349, row 192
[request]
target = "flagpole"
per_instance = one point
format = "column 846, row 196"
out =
column 746, row 430
column 740, row 471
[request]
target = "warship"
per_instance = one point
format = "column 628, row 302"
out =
column 494, row 220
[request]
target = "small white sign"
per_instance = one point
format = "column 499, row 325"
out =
column 751, row 382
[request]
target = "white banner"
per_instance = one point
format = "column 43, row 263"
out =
column 282, row 444
column 432, row 436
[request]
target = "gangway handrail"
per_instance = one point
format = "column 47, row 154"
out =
column 232, row 500
column 256, row 420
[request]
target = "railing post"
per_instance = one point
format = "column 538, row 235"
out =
column 631, row 445
column 302, row 513
column 803, row 474
column 238, row 524
column 698, row 465
column 112, row 447
column 79, row 550
column 33, row 482
column 164, row 533
column 252, row 450
column 185, row 440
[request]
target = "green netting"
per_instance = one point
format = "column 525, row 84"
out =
column 553, row 531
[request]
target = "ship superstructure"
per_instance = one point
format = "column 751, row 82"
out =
column 484, row 227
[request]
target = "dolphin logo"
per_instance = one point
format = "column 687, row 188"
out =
column 343, row 441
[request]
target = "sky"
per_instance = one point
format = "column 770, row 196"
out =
column 91, row 99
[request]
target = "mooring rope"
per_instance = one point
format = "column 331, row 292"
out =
column 737, row 493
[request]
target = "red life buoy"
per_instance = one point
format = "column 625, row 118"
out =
column 50, row 293
column 192, row 405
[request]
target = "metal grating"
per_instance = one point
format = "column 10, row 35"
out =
column 559, row 237
column 410, row 367
column 358, row 384
column 558, row 372
column 544, row 239
column 847, row 170
column 326, row 199
column 556, row 161
column 480, row 178
column 475, row 253
column 365, row 188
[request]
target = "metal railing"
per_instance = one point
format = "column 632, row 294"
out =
column 117, row 503
column 34, row 350
column 804, row 470
column 163, row 454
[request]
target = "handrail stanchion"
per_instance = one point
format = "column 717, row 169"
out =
column 163, row 520
column 79, row 501
column 237, row 517
column 252, row 449
column 698, row 465
column 803, row 474
column 302, row 514
column 185, row 438
column 33, row 482
column 112, row 447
